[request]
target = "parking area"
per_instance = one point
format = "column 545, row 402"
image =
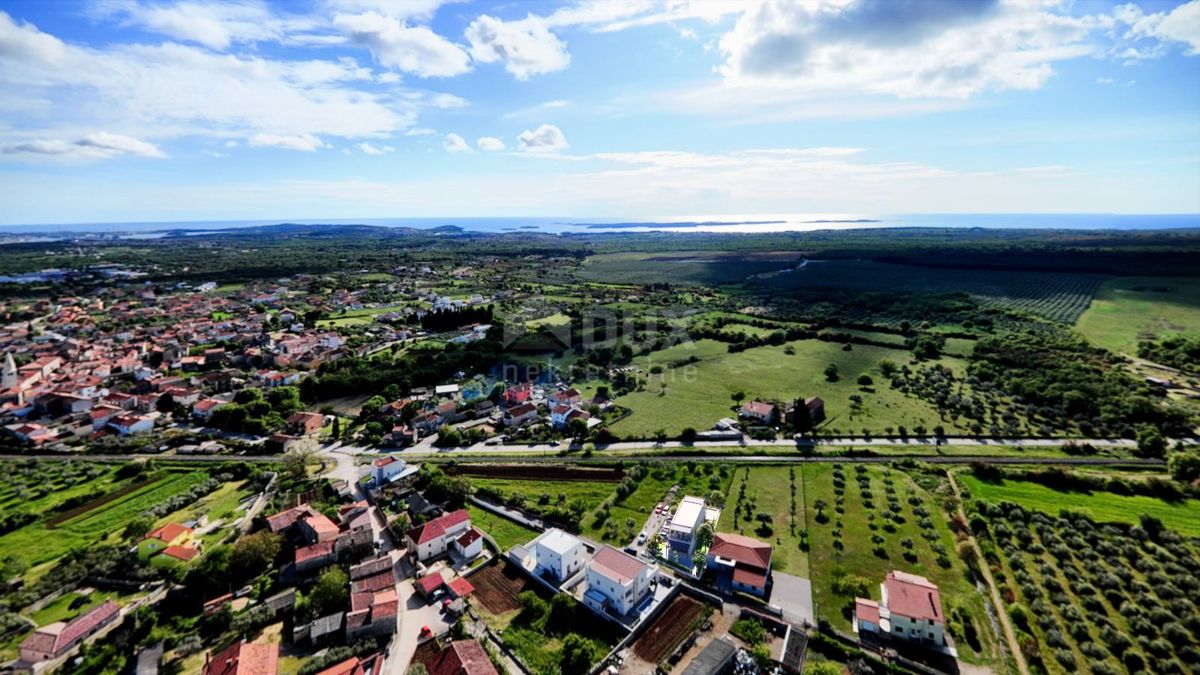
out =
column 794, row 596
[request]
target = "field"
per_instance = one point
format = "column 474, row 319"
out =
column 1096, row 597
column 670, row 629
column 863, row 522
column 681, row 267
column 543, row 472
column 698, row 394
column 1055, row 296
column 497, row 587
column 786, row 528
column 70, row 605
column 38, row 542
column 1183, row 517
column 40, row 487
column 506, row 533
column 1129, row 309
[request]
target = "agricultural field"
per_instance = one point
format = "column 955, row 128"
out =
column 1129, row 309
column 670, row 629
column 506, row 532
column 223, row 506
column 684, row 267
column 863, row 522
column 1094, row 596
column 698, row 394
column 783, row 507
column 1055, row 296
column 497, row 587
column 46, row 540
column 1183, row 516
column 38, row 488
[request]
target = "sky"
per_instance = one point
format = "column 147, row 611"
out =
column 186, row 110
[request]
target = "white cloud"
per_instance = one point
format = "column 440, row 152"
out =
column 97, row 145
column 123, row 89
column 527, row 47
column 305, row 142
column 412, row 49
column 369, row 149
column 1181, row 24
column 546, row 138
column 906, row 49
column 490, row 143
column 216, row 25
column 416, row 10
column 420, row 131
column 455, row 143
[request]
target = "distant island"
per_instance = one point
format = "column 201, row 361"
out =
column 710, row 223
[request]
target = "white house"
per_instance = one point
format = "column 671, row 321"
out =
column 468, row 545
column 617, row 582
column 910, row 609
column 681, row 531
column 558, row 554
column 434, row 537
column 389, row 469
column 131, row 424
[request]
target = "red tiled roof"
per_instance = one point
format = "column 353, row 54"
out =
column 285, row 519
column 245, row 658
column 385, row 603
column 351, row 666
column 758, row 408
column 168, row 532
column 460, row 587
column 321, row 524
column 866, row 610
column 317, row 550
column 913, row 596
column 469, row 537
column 184, row 553
column 384, row 461
column 742, row 549
column 430, row 583
column 748, row 577
column 58, row 637
column 437, row 527
column 617, row 565
column 373, row 583
column 463, row 657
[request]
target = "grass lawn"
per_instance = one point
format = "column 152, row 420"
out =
column 862, row 557
column 591, row 493
column 60, row 609
column 1129, row 309
column 1183, row 517
column 558, row 319
column 787, row 556
column 691, row 478
column 504, row 531
column 697, row 395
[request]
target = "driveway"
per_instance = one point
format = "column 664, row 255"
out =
column 794, row 596
column 415, row 613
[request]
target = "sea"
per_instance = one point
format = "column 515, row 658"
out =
column 740, row 223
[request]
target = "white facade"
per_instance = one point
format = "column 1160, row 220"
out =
column 558, row 554
column 682, row 530
column 617, row 582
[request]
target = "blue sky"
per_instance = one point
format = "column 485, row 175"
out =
column 136, row 110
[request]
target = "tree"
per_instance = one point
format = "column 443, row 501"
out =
column 331, row 592
column 253, row 554
column 738, row 397
column 336, row 431
column 865, row 380
column 688, row 436
column 822, row 668
column 801, row 417
column 660, row 436
column 296, row 462
column 831, row 372
column 1150, row 442
column 138, row 527
column 704, row 537
column 1184, row 466
column 578, row 654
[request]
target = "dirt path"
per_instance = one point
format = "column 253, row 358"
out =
column 1009, row 634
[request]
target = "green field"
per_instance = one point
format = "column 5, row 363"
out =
column 506, row 533
column 1057, row 296
column 787, row 556
column 39, row 488
column 60, row 609
column 861, row 556
column 36, row 543
column 1183, row 517
column 1129, row 309
column 684, row 267
column 697, row 395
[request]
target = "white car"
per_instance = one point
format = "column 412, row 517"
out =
column 642, row 538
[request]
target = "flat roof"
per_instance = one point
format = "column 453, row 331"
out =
column 689, row 511
column 557, row 541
